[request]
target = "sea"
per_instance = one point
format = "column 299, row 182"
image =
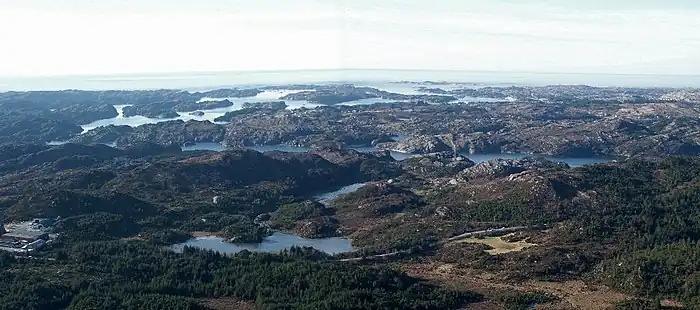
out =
column 197, row 81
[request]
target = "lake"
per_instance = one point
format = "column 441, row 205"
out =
column 218, row 147
column 326, row 197
column 477, row 158
column 279, row 241
column 571, row 161
column 274, row 243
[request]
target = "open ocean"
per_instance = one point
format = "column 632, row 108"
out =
column 209, row 80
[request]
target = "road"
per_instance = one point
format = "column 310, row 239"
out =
column 451, row 239
column 385, row 255
column 485, row 232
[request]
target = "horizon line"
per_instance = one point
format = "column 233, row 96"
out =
column 213, row 72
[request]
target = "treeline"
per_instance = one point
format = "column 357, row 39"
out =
column 130, row 275
column 642, row 203
column 668, row 271
column 648, row 215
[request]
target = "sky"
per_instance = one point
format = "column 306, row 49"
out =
column 80, row 37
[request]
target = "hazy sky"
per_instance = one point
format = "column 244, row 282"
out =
column 56, row 37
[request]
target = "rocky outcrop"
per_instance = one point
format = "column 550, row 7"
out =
column 375, row 200
column 169, row 109
column 144, row 149
column 330, row 95
column 27, row 128
column 342, row 157
column 319, row 227
column 418, row 145
column 12, row 151
column 485, row 129
column 202, row 105
column 481, row 143
column 104, row 134
column 261, row 128
column 86, row 113
column 272, row 105
column 174, row 133
column 248, row 108
column 335, row 94
column 52, row 154
column 659, row 145
column 153, row 110
column 578, row 94
column 436, row 165
column 433, row 90
column 688, row 95
column 369, row 165
column 499, row 168
column 228, row 93
column 570, row 121
column 309, row 219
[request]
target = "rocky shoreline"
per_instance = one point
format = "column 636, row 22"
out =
column 565, row 121
column 609, row 131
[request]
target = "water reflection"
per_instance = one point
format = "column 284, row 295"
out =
column 274, row 243
column 204, row 146
column 327, row 197
column 280, row 241
column 571, row 161
column 282, row 148
column 477, row 158
column 218, row 147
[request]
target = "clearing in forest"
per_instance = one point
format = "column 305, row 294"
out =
column 500, row 246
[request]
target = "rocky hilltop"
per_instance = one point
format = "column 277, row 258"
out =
column 499, row 168
column 571, row 121
column 335, row 94
column 605, row 130
column 420, row 145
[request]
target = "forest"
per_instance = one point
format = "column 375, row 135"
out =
column 140, row 276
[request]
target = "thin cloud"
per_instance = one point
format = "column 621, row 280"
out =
column 129, row 36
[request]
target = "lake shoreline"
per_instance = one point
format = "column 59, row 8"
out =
column 278, row 240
